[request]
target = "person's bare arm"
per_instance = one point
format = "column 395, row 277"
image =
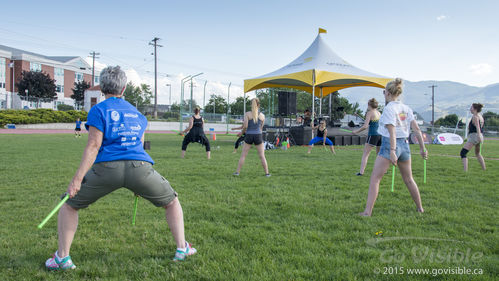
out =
column 191, row 122
column 366, row 123
column 393, row 143
column 245, row 124
column 476, row 121
column 419, row 136
column 89, row 154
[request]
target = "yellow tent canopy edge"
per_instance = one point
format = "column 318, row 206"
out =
column 322, row 79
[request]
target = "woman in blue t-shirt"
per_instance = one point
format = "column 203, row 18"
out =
column 373, row 137
column 113, row 158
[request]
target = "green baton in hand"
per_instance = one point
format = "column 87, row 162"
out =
column 393, row 176
column 54, row 211
column 135, row 209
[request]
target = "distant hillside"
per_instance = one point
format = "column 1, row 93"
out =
column 450, row 97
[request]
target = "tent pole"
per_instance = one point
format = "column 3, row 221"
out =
column 330, row 116
column 320, row 104
column 313, row 101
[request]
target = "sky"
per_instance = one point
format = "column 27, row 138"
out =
column 229, row 41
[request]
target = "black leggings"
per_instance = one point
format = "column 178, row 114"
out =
column 239, row 140
column 201, row 139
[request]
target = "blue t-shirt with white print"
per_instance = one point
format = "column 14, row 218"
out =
column 122, row 126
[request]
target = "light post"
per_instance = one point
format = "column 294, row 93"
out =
column 182, row 98
column 170, row 85
column 204, row 94
column 190, row 103
column 13, row 86
column 27, row 96
column 228, row 106
column 432, row 108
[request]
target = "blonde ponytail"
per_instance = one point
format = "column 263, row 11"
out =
column 255, row 104
column 394, row 87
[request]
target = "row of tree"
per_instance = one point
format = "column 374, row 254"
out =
column 269, row 104
column 39, row 87
column 491, row 120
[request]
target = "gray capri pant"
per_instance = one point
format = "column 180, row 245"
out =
column 137, row 176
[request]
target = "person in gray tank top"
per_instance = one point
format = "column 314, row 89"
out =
column 253, row 131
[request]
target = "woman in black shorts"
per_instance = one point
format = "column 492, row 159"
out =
column 196, row 133
column 373, row 137
column 253, row 131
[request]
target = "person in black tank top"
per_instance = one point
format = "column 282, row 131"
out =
column 252, row 127
column 321, row 137
column 475, row 137
column 196, row 134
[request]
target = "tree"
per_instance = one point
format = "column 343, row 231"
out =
column 449, row 121
column 218, row 103
column 139, row 96
column 79, row 92
column 237, row 107
column 491, row 119
column 36, row 86
column 340, row 106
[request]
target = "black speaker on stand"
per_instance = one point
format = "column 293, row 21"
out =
column 287, row 103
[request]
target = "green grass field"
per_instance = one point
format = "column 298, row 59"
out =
column 299, row 224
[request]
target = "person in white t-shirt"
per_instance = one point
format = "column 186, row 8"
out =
column 394, row 127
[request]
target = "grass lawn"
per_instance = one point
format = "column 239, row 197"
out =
column 299, row 224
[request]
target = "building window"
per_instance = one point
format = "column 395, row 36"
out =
column 78, row 77
column 96, row 79
column 58, row 71
column 59, row 88
column 33, row 66
column 2, row 68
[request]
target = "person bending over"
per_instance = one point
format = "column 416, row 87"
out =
column 113, row 158
column 321, row 137
column 196, row 133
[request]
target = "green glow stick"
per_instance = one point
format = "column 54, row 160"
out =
column 345, row 130
column 424, row 172
column 135, row 209
column 393, row 176
column 53, row 211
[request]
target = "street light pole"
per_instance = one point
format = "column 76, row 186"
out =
column 228, row 106
column 190, row 103
column 182, row 98
column 204, row 94
column 154, row 42
column 170, row 85
column 432, row 108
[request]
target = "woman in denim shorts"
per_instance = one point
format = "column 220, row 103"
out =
column 113, row 158
column 394, row 127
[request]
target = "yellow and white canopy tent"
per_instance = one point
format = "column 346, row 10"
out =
column 318, row 71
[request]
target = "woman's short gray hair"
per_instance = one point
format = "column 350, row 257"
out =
column 112, row 80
